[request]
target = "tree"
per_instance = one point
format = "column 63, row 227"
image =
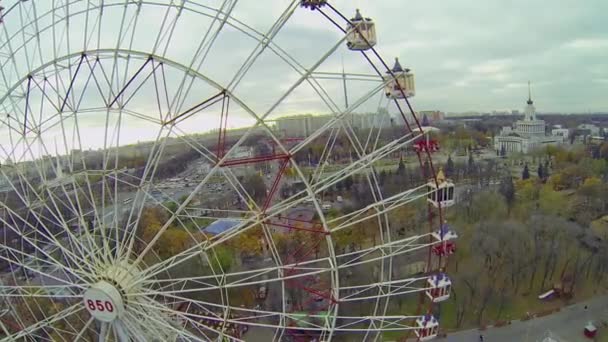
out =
column 487, row 205
column 221, row 259
column 552, row 202
column 540, row 171
column 507, row 189
column 525, row 173
column 255, row 186
column 173, row 241
column 248, row 242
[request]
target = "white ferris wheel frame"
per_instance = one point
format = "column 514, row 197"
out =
column 85, row 243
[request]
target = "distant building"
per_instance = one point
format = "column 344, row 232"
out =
column 592, row 129
column 515, row 112
column 434, row 116
column 527, row 134
column 305, row 125
column 561, row 132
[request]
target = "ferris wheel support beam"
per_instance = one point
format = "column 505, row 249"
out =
column 196, row 108
column 65, row 100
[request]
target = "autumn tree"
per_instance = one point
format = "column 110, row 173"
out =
column 255, row 186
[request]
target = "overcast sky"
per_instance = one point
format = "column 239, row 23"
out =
column 479, row 55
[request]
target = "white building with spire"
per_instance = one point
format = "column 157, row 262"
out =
column 527, row 134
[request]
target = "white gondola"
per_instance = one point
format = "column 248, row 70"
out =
column 440, row 287
column 401, row 84
column 440, row 193
column 427, row 328
column 361, row 33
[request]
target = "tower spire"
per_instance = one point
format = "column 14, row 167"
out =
column 529, row 94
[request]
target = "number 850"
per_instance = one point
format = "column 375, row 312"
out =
column 99, row 305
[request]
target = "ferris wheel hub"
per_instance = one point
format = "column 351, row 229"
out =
column 104, row 301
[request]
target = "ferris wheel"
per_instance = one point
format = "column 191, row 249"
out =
column 156, row 184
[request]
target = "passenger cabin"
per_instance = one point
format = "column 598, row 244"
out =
column 361, row 34
column 399, row 82
column 440, row 191
column 313, row 4
column 427, row 328
column 439, row 287
column 444, row 248
column 445, row 235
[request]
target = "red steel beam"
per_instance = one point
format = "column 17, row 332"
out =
column 275, row 185
column 252, row 160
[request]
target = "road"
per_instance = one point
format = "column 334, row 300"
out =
column 566, row 324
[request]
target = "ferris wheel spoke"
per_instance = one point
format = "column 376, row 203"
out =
column 303, row 78
column 239, row 279
column 260, row 318
column 76, row 205
column 204, row 47
column 301, row 269
column 337, row 118
column 121, row 331
column 392, row 288
column 48, row 291
column 179, row 210
column 167, row 319
column 77, row 260
column 201, row 327
column 126, row 247
column 34, row 265
column 378, row 208
column 263, row 43
column 84, row 329
column 46, row 322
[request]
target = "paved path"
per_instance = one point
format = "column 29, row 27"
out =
column 566, row 324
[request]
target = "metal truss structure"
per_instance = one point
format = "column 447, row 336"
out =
column 119, row 150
